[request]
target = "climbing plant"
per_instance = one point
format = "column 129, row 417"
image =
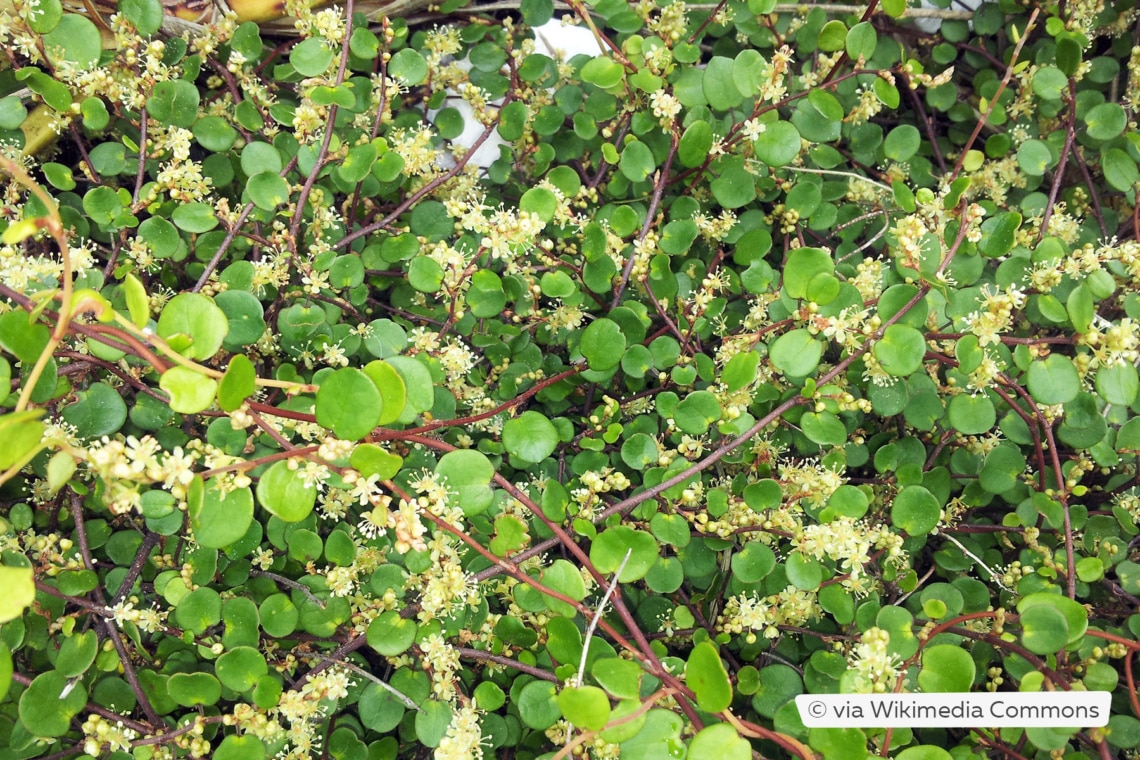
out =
column 406, row 387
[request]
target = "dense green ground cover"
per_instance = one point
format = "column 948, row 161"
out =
column 777, row 351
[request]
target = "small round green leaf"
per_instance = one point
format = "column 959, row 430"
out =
column 697, row 412
column 312, row 57
column 349, row 404
column 796, row 353
column 194, row 321
column 946, row 668
column 245, row 747
column 96, row 412
column 278, row 615
column 219, row 516
column 237, row 384
column 734, row 186
column 1044, row 630
column 390, row 634
column 50, row 702
column 76, row 653
column 189, row 391
column 972, row 415
column 753, row 563
column 409, row 66
column 1053, row 380
column 193, row 689
column 778, row 144
column 720, row 742
column 198, row 610
column 284, row 492
column 585, row 706
column 146, row 15
column 1106, row 121
column 240, row 668
column 468, row 473
column 75, row 42
column 1118, row 383
column 611, row 546
column 637, row 161
column 267, row 190
column 901, row 350
column 538, row 705
column 706, row 676
column 531, row 437
column 602, row 344
column 915, row 510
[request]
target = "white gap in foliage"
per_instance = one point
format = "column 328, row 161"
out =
column 552, row 39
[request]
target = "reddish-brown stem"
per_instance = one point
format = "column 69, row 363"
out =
column 507, row 662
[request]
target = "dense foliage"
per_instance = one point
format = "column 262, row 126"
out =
column 771, row 351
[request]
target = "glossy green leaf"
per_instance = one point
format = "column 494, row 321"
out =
column 915, row 510
column 621, row 678
column 240, row 668
column 832, row 37
column 145, row 15
column 218, row 516
column 538, row 705
column 901, row 350
column 585, row 706
column 369, row 459
column 199, row 610
column 637, row 161
column 193, row 689
column 174, row 103
column 349, row 404
column 602, row 344
column 189, row 391
column 734, row 186
column 778, row 144
column 946, row 668
column 1074, row 613
column 720, row 741
column 245, row 747
column 531, row 437
column 284, row 491
column 1053, row 380
column 237, row 384
column 468, row 474
column 1118, row 383
column 706, row 676
column 609, row 550
column 796, row 353
column 96, row 412
column 196, row 322
column 1043, row 629
column 267, row 190
column 861, row 40
column 602, row 72
column 697, row 411
column 312, row 57
column 971, row 415
column 75, row 42
column 50, row 702
column 693, row 148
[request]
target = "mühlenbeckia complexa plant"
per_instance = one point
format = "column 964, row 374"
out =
column 777, row 351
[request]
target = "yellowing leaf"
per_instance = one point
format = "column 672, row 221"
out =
column 19, row 592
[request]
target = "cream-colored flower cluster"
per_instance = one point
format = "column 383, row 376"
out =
column 876, row 671
column 849, row 543
column 752, row 614
column 995, row 317
column 464, row 737
column 101, row 735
